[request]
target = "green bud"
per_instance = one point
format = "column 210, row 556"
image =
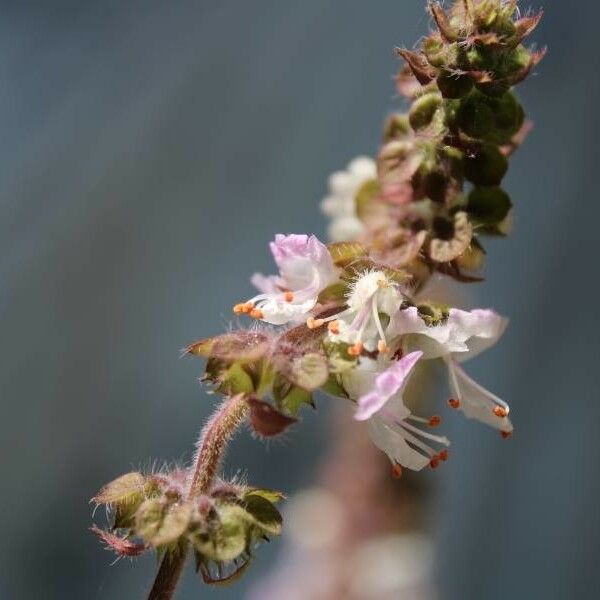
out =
column 396, row 127
column 148, row 518
column 475, row 117
column 487, row 167
column 454, row 86
column 488, row 205
column 423, row 109
column 226, row 538
column 493, row 88
column 272, row 496
column 173, row 525
column 236, row 380
column 435, row 51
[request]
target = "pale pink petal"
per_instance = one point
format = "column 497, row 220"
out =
column 387, row 384
column 475, row 401
column 395, row 446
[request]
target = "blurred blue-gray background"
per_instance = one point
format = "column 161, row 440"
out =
column 149, row 151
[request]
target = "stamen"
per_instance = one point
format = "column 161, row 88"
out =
column 256, row 313
column 434, row 463
column 506, row 434
column 454, row 403
column 500, row 412
column 378, row 325
column 334, row 327
column 313, row 323
column 443, row 455
column 435, row 421
column 238, row 309
column 382, row 347
column 396, row 471
column 288, row 296
column 356, row 350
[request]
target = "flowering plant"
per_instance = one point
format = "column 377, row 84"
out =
column 353, row 318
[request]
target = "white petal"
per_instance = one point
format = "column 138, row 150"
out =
column 279, row 312
column 475, row 401
column 395, row 446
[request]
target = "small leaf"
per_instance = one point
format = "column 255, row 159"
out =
column 124, row 489
column 333, row 387
column 295, row 399
column 266, row 420
column 270, row 495
column 120, row 546
column 334, row 293
column 263, row 514
column 236, row 380
column 310, row 371
column 201, row 348
column 343, row 253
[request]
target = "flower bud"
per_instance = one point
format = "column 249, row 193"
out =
column 487, row 166
column 397, row 127
column 488, row 205
column 423, row 109
column 454, row 86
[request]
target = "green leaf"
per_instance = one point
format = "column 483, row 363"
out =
column 334, row 293
column 295, row 399
column 269, row 495
column 236, row 380
column 344, row 253
column 128, row 488
column 333, row 387
column 263, row 514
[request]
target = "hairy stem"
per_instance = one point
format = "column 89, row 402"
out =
column 211, row 447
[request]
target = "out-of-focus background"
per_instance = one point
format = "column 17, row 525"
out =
column 149, row 151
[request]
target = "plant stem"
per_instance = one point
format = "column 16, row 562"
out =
column 211, row 447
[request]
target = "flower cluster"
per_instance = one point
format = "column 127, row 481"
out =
column 352, row 318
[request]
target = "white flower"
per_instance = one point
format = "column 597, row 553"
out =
column 463, row 335
column 373, row 295
column 378, row 387
column 340, row 204
column 305, row 269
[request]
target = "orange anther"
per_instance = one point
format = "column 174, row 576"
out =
column 334, row 327
column 247, row 308
column 506, row 434
column 256, row 313
column 443, row 455
column 500, row 412
column 356, row 349
column 396, row 471
column 238, row 309
column 454, row 403
column 435, row 421
column 434, row 463
column 288, row 296
column 382, row 347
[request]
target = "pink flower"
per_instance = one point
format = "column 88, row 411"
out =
column 463, row 335
column 380, row 402
column 305, row 269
